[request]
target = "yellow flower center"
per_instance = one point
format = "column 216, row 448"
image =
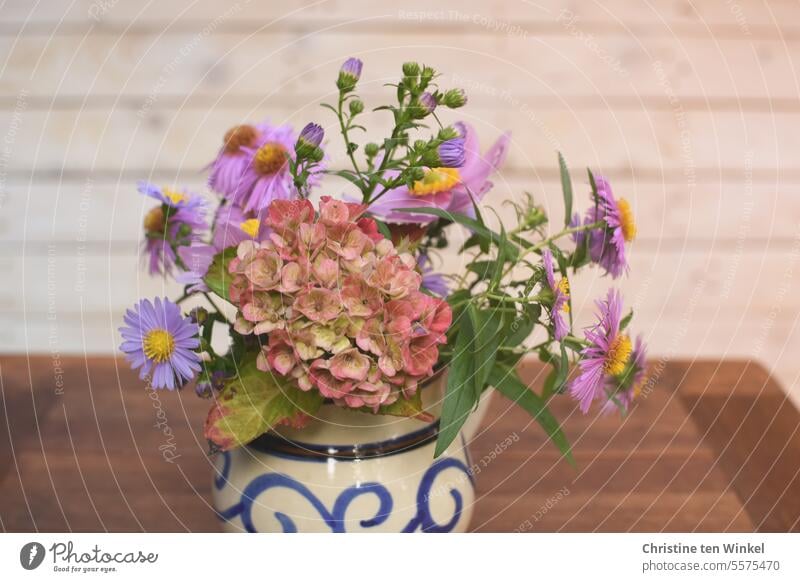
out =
column 626, row 220
column 436, row 180
column 563, row 286
column 154, row 220
column 173, row 195
column 270, row 158
column 250, row 227
column 618, row 355
column 158, row 345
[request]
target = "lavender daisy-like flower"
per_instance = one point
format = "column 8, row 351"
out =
column 177, row 221
column 232, row 160
column 431, row 280
column 607, row 245
column 160, row 342
column 560, row 291
column 623, row 389
column 606, row 355
column 232, row 225
column 196, row 259
column 267, row 176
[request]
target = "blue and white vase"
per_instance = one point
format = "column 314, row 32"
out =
column 349, row 471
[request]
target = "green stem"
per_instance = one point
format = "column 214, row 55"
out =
column 344, row 128
column 546, row 242
column 216, row 308
column 534, row 299
column 373, row 182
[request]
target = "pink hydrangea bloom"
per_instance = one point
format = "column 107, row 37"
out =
column 339, row 309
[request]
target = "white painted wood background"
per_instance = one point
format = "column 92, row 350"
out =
column 691, row 108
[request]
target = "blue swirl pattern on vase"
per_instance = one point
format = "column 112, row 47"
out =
column 335, row 519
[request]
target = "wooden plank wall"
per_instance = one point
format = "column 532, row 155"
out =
column 691, row 108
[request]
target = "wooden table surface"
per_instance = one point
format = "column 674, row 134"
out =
column 714, row 447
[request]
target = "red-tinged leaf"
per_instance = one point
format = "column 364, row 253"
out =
column 252, row 403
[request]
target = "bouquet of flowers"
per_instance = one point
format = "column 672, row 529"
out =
column 340, row 300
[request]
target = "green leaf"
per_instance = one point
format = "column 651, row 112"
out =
column 475, row 207
column 566, row 189
column 626, row 320
column 489, row 330
column 459, row 296
column 506, row 381
column 461, row 394
column 524, row 323
column 563, row 370
column 331, row 107
column 482, row 268
column 217, row 278
column 593, row 184
column 253, row 402
column 352, row 178
column 500, row 263
column 407, row 407
column 549, row 383
column 383, row 229
column 464, row 220
column 557, row 378
column 483, row 242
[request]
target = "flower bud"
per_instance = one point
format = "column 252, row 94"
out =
column 317, row 154
column 455, row 98
column 410, row 69
column 309, row 139
column 427, row 75
column 356, row 106
column 427, row 103
column 199, row 315
column 451, row 153
column 312, row 134
column 349, row 74
column 448, row 133
column 371, row 149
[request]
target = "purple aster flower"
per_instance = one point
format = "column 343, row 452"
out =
column 560, row 291
column 451, row 153
column 196, row 259
column 177, row 221
column 267, row 176
column 431, row 280
column 232, row 160
column 446, row 188
column 349, row 74
column 232, row 225
column 580, row 236
column 606, row 355
column 160, row 342
column 607, row 244
column 624, row 389
column 310, row 136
